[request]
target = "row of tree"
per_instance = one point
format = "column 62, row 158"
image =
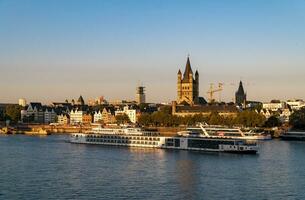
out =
column 245, row 118
column 165, row 118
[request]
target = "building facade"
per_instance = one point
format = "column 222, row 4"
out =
column 131, row 113
column 108, row 116
column 97, row 117
column 140, row 95
column 188, row 86
column 296, row 104
column 49, row 115
column 33, row 113
column 22, row 102
column 87, row 118
column 274, row 105
column 63, row 119
column 76, row 116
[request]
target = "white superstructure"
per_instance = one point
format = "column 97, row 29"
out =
column 135, row 137
column 221, row 131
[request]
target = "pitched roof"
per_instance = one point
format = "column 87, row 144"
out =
column 240, row 90
column 36, row 104
column 188, row 70
column 81, row 100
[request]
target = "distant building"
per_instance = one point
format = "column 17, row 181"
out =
column 87, row 118
column 36, row 113
column 108, row 116
column 22, row 102
column 275, row 105
column 63, row 119
column 140, row 95
column 33, row 113
column 188, row 86
column 76, row 116
column 296, row 104
column 131, row 113
column 282, row 114
column 104, row 116
column 97, row 101
column 49, row 115
column 241, row 96
column 97, row 117
column 62, row 107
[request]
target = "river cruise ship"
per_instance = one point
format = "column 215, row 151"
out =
column 135, row 137
column 236, row 133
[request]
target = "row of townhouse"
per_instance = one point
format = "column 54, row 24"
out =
column 275, row 105
column 79, row 116
column 106, row 115
column 37, row 113
column 67, row 114
column 281, row 109
column 283, row 114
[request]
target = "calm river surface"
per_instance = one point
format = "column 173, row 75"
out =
column 50, row 168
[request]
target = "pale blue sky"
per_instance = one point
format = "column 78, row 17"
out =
column 51, row 50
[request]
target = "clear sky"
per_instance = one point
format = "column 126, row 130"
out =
column 52, row 50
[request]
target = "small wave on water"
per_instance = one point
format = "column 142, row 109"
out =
column 51, row 168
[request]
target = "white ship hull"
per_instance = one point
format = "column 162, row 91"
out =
column 180, row 143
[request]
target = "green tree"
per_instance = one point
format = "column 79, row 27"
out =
column 166, row 109
column 215, row 119
column 13, row 113
column 122, row 119
column 297, row 119
column 249, row 119
column 145, row 119
column 272, row 121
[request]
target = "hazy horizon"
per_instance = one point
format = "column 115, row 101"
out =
column 56, row 50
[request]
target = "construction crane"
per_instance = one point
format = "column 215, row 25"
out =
column 213, row 90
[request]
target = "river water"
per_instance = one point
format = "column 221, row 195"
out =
column 50, row 168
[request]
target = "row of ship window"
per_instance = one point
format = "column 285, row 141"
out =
column 123, row 137
column 210, row 144
column 121, row 141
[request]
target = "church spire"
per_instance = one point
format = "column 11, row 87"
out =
column 240, row 90
column 188, row 70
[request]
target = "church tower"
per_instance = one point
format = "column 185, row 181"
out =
column 240, row 95
column 188, row 85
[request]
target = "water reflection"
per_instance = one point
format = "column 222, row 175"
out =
column 187, row 175
column 40, row 168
